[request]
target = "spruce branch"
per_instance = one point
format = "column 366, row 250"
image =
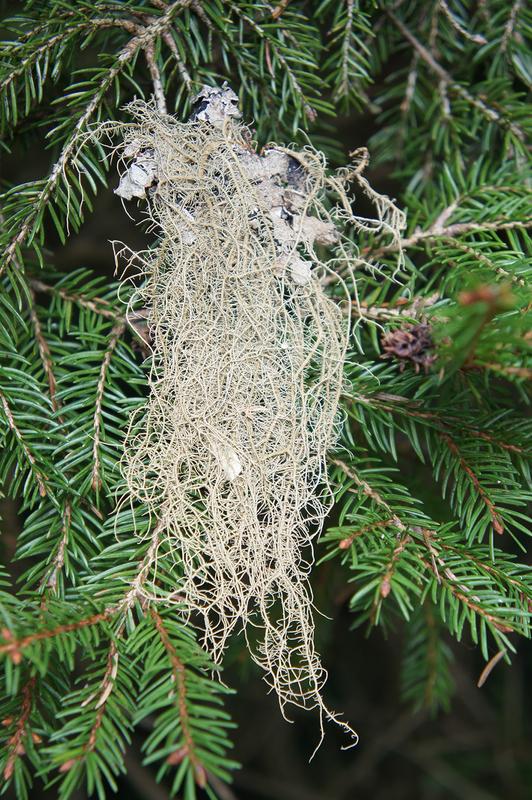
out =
column 114, row 337
column 458, row 26
column 44, row 352
column 16, row 742
column 178, row 672
column 491, row 114
column 10, row 418
column 70, row 149
column 158, row 91
column 436, row 231
column 58, row 561
column 14, row 647
column 498, row 526
column 367, row 489
column 95, row 304
column 509, row 28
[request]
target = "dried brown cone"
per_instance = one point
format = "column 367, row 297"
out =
column 412, row 343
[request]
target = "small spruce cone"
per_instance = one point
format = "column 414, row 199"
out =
column 410, row 343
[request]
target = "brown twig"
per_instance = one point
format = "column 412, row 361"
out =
column 13, row 647
column 367, row 490
column 181, row 68
column 460, row 552
column 495, row 516
column 179, row 673
column 476, row 38
column 382, row 523
column 427, row 539
column 436, row 231
column 385, row 585
column 155, row 74
column 97, row 304
column 280, row 9
column 114, row 338
column 483, row 259
column 386, row 582
column 44, row 352
column 39, row 476
column 490, row 113
column 510, row 26
column 106, row 687
column 59, row 558
column 15, row 745
column 460, row 593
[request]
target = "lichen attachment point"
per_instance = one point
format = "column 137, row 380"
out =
column 229, row 450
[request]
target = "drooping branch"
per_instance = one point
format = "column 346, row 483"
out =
column 15, row 745
column 143, row 40
column 179, row 673
column 39, row 476
column 106, row 687
column 44, row 352
column 13, row 647
column 436, row 231
column 487, row 111
column 498, row 526
column 114, row 338
column 95, row 304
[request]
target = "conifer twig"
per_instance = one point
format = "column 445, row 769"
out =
column 386, row 582
column 106, row 688
column 450, row 232
column 114, row 338
column 158, row 91
column 476, row 38
column 498, row 526
column 13, row 647
column 281, row 8
column 450, row 580
column 490, row 113
column 44, row 352
column 59, row 557
column 15, row 745
column 367, row 489
column 509, row 28
column 178, row 669
column 96, row 304
column 181, row 68
column 381, row 523
column 127, row 53
column 39, row 476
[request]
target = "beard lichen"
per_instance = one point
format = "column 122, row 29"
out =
column 247, row 354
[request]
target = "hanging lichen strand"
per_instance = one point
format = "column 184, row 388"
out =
column 229, row 450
